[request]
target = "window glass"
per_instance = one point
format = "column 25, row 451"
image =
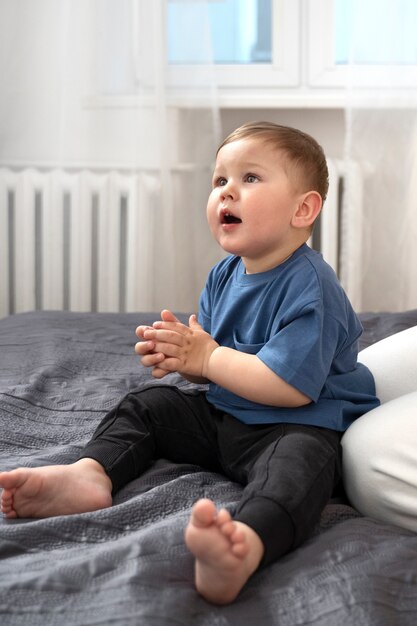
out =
column 236, row 32
column 375, row 32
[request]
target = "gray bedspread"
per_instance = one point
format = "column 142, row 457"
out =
column 59, row 374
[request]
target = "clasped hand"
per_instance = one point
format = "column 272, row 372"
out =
column 171, row 346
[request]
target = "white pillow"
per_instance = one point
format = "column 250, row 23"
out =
column 380, row 462
column 393, row 363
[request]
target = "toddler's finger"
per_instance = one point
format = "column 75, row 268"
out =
column 158, row 372
column 153, row 359
column 140, row 331
column 168, row 316
column 144, row 347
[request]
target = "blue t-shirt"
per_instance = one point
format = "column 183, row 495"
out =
column 298, row 320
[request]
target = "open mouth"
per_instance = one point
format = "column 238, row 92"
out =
column 229, row 218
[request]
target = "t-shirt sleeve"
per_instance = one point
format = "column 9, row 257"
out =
column 303, row 350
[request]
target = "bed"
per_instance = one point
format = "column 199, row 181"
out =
column 59, row 374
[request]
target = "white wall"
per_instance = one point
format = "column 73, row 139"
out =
column 325, row 125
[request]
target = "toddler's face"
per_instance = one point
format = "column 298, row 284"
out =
column 252, row 203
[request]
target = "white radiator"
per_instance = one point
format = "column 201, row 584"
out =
column 75, row 241
column 82, row 241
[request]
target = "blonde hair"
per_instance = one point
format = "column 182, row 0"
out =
column 306, row 160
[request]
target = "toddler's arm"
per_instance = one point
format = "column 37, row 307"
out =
column 173, row 346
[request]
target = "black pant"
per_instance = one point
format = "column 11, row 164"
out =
column 288, row 471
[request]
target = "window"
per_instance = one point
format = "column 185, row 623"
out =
column 238, row 32
column 370, row 44
column 380, row 34
column 251, row 42
column 266, row 53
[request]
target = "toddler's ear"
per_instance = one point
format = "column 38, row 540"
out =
column 308, row 210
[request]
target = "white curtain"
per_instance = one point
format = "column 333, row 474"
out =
column 85, row 85
column 379, row 266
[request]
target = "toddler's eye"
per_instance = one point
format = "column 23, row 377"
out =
column 251, row 178
column 221, row 182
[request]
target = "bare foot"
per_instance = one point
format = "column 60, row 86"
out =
column 55, row 490
column 227, row 552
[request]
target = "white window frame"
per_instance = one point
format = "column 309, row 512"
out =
column 323, row 72
column 284, row 71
